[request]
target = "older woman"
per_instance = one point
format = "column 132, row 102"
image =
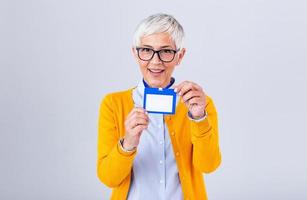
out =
column 148, row 156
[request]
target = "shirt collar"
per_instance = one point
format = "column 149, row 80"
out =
column 142, row 84
column 168, row 86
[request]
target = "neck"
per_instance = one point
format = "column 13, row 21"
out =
column 170, row 83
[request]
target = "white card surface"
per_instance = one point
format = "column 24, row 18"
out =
column 159, row 103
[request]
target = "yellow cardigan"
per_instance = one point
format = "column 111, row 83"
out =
column 195, row 145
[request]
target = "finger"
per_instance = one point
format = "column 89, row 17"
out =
column 139, row 129
column 139, row 109
column 185, row 88
column 179, row 86
column 135, row 122
column 139, row 115
column 130, row 113
column 190, row 94
column 130, row 122
column 142, row 121
column 136, row 110
column 197, row 87
column 138, row 121
column 196, row 101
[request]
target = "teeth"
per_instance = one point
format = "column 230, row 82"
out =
column 156, row 70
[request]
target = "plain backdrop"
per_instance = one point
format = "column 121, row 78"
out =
column 58, row 58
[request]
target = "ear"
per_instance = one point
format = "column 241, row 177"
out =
column 134, row 52
column 181, row 55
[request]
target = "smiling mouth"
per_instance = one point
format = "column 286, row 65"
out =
column 156, row 71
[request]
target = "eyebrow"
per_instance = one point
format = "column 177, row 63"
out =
column 166, row 46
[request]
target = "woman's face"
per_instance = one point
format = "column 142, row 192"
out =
column 155, row 72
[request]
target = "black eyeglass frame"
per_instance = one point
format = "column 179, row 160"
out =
column 158, row 52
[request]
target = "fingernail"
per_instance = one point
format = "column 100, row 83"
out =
column 175, row 89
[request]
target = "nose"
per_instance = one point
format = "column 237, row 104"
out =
column 156, row 59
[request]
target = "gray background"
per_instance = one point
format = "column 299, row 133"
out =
column 59, row 58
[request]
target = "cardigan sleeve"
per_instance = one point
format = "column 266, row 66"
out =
column 113, row 164
column 205, row 140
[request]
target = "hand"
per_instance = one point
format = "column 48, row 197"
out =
column 137, row 120
column 193, row 97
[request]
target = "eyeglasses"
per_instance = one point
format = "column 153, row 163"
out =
column 165, row 55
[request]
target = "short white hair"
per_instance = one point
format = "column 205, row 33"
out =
column 159, row 23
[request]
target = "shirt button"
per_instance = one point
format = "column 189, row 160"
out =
column 161, row 161
column 161, row 142
column 177, row 153
column 160, row 126
column 161, row 181
column 172, row 133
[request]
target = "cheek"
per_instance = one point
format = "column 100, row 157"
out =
column 143, row 65
column 170, row 67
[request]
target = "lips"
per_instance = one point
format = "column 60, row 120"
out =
column 156, row 71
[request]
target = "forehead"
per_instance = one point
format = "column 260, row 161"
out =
column 158, row 40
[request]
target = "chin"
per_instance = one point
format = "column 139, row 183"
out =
column 156, row 84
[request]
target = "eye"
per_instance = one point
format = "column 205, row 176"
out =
column 167, row 51
column 145, row 50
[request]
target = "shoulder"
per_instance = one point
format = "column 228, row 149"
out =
column 118, row 96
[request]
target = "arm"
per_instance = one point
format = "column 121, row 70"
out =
column 206, row 152
column 113, row 164
column 204, row 130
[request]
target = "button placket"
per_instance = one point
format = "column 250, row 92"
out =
column 162, row 151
